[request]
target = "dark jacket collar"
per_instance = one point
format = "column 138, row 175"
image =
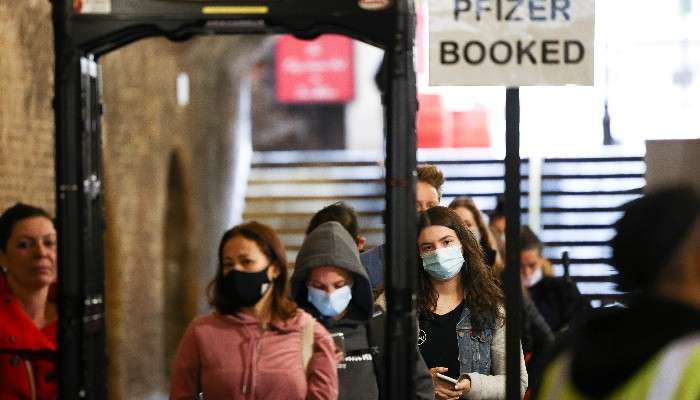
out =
column 615, row 343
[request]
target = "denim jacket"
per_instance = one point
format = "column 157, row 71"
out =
column 474, row 345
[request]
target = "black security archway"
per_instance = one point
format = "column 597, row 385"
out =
column 86, row 30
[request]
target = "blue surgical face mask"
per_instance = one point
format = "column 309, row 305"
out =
column 444, row 263
column 330, row 305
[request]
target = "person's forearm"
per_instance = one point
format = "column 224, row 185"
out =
column 491, row 387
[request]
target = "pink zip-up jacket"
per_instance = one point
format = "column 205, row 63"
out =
column 232, row 357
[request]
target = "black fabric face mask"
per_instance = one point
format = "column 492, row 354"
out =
column 245, row 289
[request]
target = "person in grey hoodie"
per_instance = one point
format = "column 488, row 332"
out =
column 330, row 283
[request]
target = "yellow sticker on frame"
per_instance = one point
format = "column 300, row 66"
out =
column 235, row 10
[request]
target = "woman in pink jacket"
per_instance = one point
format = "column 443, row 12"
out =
column 257, row 344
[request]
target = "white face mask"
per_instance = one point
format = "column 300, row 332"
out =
column 444, row 263
column 534, row 278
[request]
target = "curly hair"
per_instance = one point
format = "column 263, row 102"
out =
column 482, row 292
column 431, row 175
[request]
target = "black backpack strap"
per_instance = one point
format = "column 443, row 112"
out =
column 375, row 337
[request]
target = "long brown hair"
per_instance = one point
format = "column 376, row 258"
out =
column 482, row 293
column 486, row 235
column 468, row 203
column 269, row 244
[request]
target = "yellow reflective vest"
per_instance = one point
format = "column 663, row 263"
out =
column 673, row 374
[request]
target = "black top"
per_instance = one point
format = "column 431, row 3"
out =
column 356, row 375
column 361, row 374
column 559, row 302
column 440, row 346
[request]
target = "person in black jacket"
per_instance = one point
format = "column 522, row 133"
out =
column 330, row 283
column 557, row 299
column 623, row 352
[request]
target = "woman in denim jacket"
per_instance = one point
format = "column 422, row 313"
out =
column 460, row 306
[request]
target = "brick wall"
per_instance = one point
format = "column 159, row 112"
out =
column 167, row 175
column 151, row 143
column 26, row 116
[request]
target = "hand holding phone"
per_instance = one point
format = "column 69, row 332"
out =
column 447, row 387
column 339, row 341
column 447, row 378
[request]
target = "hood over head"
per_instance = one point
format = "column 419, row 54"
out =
column 331, row 245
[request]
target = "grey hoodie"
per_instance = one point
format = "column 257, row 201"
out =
column 331, row 245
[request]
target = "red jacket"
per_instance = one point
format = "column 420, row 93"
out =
column 231, row 357
column 27, row 354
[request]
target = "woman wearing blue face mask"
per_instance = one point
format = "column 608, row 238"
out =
column 460, row 308
column 330, row 283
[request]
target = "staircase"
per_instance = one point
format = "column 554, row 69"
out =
column 285, row 189
column 581, row 200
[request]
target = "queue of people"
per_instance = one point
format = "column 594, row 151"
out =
column 317, row 332
column 256, row 313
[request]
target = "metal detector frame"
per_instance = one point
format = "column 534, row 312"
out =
column 81, row 39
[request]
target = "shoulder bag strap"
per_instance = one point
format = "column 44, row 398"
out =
column 307, row 342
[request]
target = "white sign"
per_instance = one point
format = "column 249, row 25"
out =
column 511, row 42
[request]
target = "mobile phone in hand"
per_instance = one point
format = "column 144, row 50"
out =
column 447, row 378
column 339, row 340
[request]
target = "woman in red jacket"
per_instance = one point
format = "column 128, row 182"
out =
column 257, row 344
column 27, row 318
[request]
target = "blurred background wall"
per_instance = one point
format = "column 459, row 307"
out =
column 168, row 174
column 26, row 116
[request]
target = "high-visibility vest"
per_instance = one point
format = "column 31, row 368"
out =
column 673, row 374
